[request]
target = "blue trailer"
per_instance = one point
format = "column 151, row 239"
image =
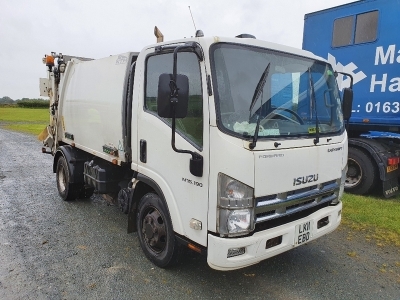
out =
column 362, row 39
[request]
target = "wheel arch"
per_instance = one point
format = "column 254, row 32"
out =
column 57, row 156
column 75, row 159
column 372, row 149
column 143, row 186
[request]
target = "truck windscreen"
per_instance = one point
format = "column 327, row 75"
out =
column 285, row 106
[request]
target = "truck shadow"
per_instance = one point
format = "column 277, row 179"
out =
column 308, row 265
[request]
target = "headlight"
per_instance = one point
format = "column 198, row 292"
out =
column 236, row 207
column 342, row 182
column 239, row 220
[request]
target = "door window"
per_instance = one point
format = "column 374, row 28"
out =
column 191, row 127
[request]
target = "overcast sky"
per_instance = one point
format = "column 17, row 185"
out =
column 29, row 29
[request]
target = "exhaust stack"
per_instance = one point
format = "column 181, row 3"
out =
column 158, row 34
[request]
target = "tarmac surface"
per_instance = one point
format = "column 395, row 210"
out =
column 51, row 249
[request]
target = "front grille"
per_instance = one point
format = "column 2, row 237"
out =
column 281, row 206
column 298, row 205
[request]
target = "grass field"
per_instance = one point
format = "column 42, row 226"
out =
column 26, row 120
column 377, row 217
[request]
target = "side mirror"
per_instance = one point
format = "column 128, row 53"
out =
column 165, row 100
column 347, row 103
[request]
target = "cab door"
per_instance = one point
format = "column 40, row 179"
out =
column 186, row 195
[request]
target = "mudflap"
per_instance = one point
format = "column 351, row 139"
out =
column 391, row 187
column 132, row 221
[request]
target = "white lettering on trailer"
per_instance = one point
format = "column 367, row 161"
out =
column 394, row 87
column 384, row 57
column 377, row 82
column 385, row 107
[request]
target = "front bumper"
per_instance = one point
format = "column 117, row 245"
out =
column 255, row 245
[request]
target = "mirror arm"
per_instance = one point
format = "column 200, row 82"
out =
column 190, row 45
column 196, row 162
column 173, row 133
column 196, row 49
column 347, row 74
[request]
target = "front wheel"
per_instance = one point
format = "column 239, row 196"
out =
column 155, row 232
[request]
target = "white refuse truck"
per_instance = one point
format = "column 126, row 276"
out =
column 233, row 147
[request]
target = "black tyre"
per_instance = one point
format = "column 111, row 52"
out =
column 67, row 190
column 155, row 232
column 362, row 175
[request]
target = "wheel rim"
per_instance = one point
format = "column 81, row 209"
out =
column 153, row 230
column 354, row 174
column 61, row 179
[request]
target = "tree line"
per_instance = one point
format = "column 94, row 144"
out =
column 24, row 102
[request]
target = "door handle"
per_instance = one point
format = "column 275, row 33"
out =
column 143, row 151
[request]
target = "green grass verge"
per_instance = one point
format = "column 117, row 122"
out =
column 15, row 114
column 378, row 217
column 30, row 128
column 27, row 120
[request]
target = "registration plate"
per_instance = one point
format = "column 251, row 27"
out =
column 392, row 168
column 303, row 233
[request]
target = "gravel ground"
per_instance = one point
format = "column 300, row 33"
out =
column 50, row 249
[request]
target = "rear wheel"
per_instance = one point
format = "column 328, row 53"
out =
column 362, row 175
column 67, row 190
column 155, row 232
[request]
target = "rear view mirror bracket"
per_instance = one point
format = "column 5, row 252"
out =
column 347, row 98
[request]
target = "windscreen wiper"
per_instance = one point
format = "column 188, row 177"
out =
column 260, row 86
column 316, row 140
column 257, row 93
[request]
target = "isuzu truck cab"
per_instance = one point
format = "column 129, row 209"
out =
column 233, row 147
